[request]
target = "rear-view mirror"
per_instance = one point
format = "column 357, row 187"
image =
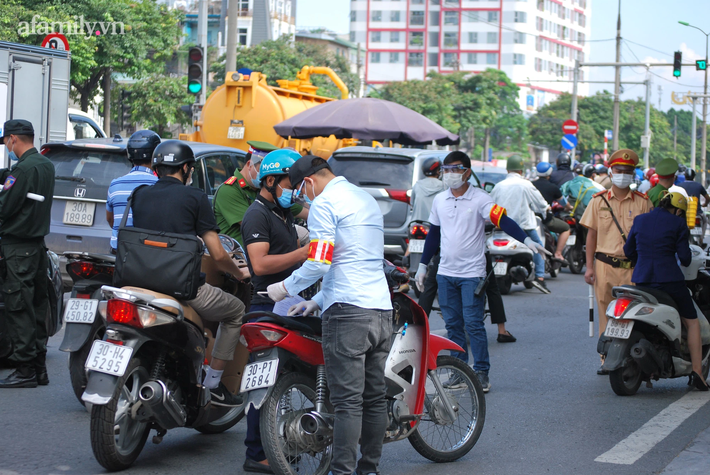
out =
column 488, row 186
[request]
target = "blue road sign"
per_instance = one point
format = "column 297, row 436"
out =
column 569, row 141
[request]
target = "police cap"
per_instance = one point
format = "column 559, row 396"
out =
column 667, row 167
column 624, row 157
column 17, row 127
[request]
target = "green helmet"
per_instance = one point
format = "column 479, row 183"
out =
column 278, row 162
column 515, row 163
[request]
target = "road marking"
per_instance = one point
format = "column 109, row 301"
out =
column 654, row 431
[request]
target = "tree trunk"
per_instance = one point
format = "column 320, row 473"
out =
column 487, row 145
column 107, row 102
column 84, row 100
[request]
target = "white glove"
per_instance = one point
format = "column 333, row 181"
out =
column 535, row 247
column 420, row 276
column 303, row 308
column 277, row 291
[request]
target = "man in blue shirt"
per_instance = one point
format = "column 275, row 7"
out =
column 346, row 249
column 140, row 152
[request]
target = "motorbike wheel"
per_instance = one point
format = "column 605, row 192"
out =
column 77, row 372
column 575, row 261
column 554, row 269
column 224, row 423
column 438, row 438
column 625, row 381
column 293, row 395
column 527, row 284
column 504, row 284
column 116, row 438
column 706, row 369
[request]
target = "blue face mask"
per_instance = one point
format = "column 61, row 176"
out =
column 285, row 200
column 301, row 197
column 12, row 156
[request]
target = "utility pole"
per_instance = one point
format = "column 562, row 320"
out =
column 646, row 141
column 660, row 94
column 693, row 135
column 107, row 102
column 232, row 34
column 675, row 136
column 202, row 39
column 573, row 112
column 617, row 83
column 703, row 150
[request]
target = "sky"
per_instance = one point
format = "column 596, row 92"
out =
column 649, row 27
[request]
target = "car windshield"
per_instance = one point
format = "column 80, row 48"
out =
column 90, row 169
column 374, row 172
column 490, row 176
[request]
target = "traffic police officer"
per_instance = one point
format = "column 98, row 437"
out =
column 609, row 217
column 666, row 170
column 24, row 223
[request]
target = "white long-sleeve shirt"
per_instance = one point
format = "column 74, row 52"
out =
column 520, row 199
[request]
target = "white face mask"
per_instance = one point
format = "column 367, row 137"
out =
column 453, row 180
column 621, row 180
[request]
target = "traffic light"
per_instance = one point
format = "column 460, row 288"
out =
column 677, row 60
column 701, row 65
column 194, row 70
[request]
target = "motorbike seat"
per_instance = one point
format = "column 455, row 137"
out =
column 187, row 311
column 310, row 325
column 662, row 297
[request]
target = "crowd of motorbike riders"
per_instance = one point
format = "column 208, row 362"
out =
column 344, row 245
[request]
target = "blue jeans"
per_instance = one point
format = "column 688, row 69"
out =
column 537, row 258
column 463, row 313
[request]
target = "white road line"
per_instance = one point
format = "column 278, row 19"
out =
column 654, row 431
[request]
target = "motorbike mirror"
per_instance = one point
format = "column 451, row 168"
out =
column 488, row 186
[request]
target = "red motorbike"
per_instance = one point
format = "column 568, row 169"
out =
column 435, row 401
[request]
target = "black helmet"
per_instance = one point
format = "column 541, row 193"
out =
column 141, row 145
column 689, row 174
column 563, row 159
column 431, row 167
column 173, row 153
column 588, row 170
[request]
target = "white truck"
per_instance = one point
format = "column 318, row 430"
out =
column 34, row 85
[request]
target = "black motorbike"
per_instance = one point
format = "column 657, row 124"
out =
column 575, row 249
column 84, row 325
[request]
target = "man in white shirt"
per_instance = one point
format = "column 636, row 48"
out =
column 522, row 200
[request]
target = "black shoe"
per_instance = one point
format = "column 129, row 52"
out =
column 483, row 379
column 602, row 372
column 40, row 365
column 222, row 397
column 254, row 466
column 540, row 285
column 697, row 381
column 455, row 382
column 22, row 377
column 506, row 338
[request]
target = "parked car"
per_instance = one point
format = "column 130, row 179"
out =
column 84, row 170
column 81, row 125
column 488, row 174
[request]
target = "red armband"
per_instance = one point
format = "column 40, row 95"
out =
column 320, row 251
column 497, row 212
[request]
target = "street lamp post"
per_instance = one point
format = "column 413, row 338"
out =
column 703, row 149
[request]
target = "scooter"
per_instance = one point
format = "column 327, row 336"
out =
column 418, row 231
column 644, row 338
column 89, row 272
column 146, row 373
column 288, row 383
column 575, row 248
column 513, row 260
column 552, row 266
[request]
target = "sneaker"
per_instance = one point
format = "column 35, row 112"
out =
column 222, row 397
column 455, row 382
column 540, row 285
column 483, row 379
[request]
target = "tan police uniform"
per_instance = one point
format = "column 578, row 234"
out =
column 611, row 268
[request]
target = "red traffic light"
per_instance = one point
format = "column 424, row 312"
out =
column 195, row 54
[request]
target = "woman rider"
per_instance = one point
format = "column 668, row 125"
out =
column 653, row 243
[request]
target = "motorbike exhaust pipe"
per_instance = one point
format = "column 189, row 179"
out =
column 646, row 357
column 160, row 404
column 518, row 273
column 315, row 423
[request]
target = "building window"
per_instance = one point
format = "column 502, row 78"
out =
column 376, row 15
column 375, row 37
column 473, row 37
column 416, row 59
column 417, row 2
column 433, row 18
column 416, row 18
column 521, row 17
column 374, row 57
column 472, row 58
column 243, row 6
column 353, row 15
column 434, row 39
column 451, row 39
column 538, row 44
column 451, row 3
column 394, row 37
column 394, row 16
column 450, row 60
column 519, row 59
column 539, row 24
column 519, row 38
column 394, row 57
column 541, row 5
column 352, row 37
column 491, row 58
column 451, row 18
column 493, row 17
column 538, row 65
column 433, row 60
column 243, row 36
column 470, row 17
column 416, row 38
column 491, row 38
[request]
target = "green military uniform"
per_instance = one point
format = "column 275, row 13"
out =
column 666, row 168
column 23, row 225
column 656, row 193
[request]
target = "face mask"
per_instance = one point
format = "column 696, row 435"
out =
column 285, row 200
column 11, row 154
column 300, row 197
column 453, row 180
column 621, row 180
column 253, row 181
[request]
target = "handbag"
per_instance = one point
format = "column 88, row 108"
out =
column 164, row 262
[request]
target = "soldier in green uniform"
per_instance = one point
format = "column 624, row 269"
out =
column 666, row 170
column 23, row 224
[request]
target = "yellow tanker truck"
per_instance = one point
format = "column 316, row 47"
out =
column 245, row 108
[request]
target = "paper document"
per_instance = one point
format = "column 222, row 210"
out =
column 281, row 308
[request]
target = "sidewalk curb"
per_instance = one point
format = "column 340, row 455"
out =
column 694, row 459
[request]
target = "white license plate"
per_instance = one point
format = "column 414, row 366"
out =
column 572, row 240
column 80, row 213
column 416, row 245
column 259, row 375
column 80, row 310
column 619, row 328
column 108, row 358
column 501, row 268
column 236, row 133
column 696, row 231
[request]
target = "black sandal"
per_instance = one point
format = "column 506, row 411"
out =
column 697, row 381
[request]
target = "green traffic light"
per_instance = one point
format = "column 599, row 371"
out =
column 676, row 73
column 194, row 87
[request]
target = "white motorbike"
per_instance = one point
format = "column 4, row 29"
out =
column 644, row 338
column 512, row 260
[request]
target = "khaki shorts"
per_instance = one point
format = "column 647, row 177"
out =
column 557, row 226
column 215, row 305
